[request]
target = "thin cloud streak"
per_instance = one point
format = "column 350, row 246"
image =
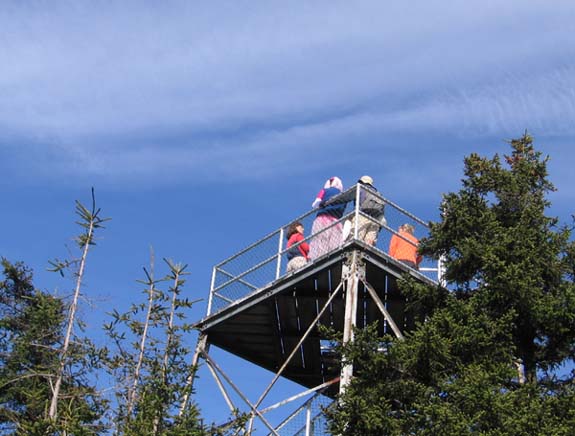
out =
column 102, row 89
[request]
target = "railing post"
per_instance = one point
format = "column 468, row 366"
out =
column 279, row 264
column 212, row 283
column 308, row 420
column 356, row 211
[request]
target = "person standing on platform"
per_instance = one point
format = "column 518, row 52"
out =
column 371, row 204
column 404, row 247
column 297, row 251
column 326, row 231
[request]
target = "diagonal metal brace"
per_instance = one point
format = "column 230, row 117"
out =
column 383, row 310
column 301, row 341
column 239, row 392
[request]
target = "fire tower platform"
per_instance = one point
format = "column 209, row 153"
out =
column 269, row 317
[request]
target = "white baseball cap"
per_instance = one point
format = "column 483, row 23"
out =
column 366, row 179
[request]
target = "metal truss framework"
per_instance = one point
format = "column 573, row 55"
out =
column 347, row 291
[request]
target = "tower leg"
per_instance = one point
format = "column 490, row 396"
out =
column 351, row 296
column 201, row 347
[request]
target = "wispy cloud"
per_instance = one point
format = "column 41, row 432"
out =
column 180, row 91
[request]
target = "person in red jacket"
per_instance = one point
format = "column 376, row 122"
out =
column 404, row 246
column 297, row 251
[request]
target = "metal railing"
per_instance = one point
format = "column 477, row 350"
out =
column 264, row 261
column 308, row 420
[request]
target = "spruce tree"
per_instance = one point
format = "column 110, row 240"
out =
column 31, row 333
column 485, row 354
column 503, row 250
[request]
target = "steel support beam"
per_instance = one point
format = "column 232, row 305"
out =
column 351, row 296
column 303, row 338
column 382, row 309
column 201, row 347
column 241, row 395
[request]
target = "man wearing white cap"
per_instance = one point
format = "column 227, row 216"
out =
column 371, row 205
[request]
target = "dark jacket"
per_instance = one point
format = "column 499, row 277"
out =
column 333, row 209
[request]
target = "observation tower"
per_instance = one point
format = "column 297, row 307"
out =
column 261, row 313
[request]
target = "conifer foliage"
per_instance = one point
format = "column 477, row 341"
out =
column 31, row 333
column 53, row 377
column 489, row 356
column 151, row 360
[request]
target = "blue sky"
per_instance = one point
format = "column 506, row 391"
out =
column 205, row 125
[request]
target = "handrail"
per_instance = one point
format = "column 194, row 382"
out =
column 299, row 218
column 232, row 284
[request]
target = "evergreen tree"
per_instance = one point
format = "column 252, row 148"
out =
column 504, row 251
column 47, row 371
column 31, row 333
column 483, row 357
column 48, row 368
column 76, row 353
column 150, row 362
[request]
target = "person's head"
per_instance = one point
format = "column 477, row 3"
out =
column 407, row 228
column 333, row 182
column 366, row 180
column 295, row 227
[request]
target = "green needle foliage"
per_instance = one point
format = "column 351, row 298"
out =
column 49, row 368
column 30, row 329
column 151, row 361
column 31, row 333
column 77, row 355
column 485, row 357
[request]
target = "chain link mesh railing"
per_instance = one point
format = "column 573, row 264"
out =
column 326, row 229
column 308, row 419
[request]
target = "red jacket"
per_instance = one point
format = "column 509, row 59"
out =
column 301, row 250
